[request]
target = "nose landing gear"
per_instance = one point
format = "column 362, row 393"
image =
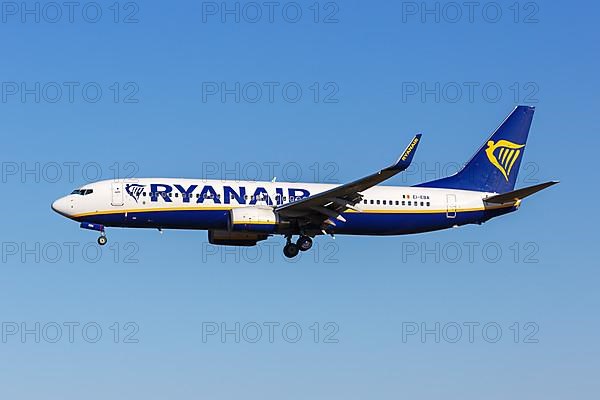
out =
column 102, row 239
column 96, row 227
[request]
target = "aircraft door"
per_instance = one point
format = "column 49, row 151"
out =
column 117, row 194
column 451, row 202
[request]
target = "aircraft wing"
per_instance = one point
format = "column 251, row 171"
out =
column 323, row 207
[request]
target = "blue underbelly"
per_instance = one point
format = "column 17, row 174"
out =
column 402, row 223
column 177, row 219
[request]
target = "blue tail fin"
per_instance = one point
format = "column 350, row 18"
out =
column 495, row 166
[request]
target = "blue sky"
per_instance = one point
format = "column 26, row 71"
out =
column 172, row 90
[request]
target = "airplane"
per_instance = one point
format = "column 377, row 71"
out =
column 242, row 213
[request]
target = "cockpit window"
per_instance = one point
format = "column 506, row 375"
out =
column 82, row 192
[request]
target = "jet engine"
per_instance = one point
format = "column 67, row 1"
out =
column 253, row 219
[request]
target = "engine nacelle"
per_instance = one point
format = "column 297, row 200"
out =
column 225, row 238
column 253, row 219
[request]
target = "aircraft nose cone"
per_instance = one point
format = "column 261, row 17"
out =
column 61, row 206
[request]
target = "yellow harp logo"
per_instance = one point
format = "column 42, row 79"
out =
column 503, row 155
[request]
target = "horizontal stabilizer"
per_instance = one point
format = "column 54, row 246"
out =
column 518, row 194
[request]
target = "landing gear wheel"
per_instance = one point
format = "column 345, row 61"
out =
column 304, row 243
column 291, row 250
column 102, row 240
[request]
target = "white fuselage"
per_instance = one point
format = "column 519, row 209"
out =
column 203, row 204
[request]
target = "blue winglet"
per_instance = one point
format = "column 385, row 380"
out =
column 406, row 158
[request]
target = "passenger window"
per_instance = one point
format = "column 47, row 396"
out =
column 427, row 204
column 421, row 204
column 378, row 201
column 176, row 194
column 372, row 202
column 397, row 203
column 410, row 203
column 403, row 202
column 384, row 203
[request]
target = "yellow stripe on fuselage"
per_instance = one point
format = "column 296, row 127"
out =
column 158, row 209
column 227, row 208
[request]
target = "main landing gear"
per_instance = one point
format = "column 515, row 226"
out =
column 304, row 243
column 291, row 250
